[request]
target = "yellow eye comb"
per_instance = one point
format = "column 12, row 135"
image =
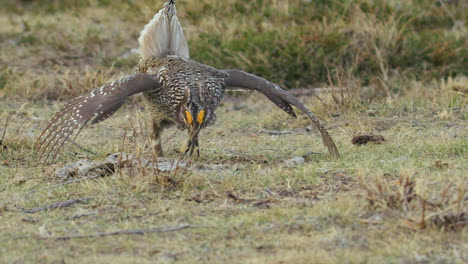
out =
column 200, row 116
column 189, row 117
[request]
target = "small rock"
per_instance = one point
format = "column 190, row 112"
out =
column 90, row 168
column 294, row 161
column 84, row 168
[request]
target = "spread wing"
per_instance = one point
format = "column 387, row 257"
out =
column 281, row 98
column 96, row 106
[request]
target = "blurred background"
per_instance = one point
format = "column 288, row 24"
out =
column 393, row 75
column 52, row 49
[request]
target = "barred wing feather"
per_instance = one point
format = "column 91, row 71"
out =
column 95, row 106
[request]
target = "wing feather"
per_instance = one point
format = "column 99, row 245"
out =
column 281, row 98
column 96, row 106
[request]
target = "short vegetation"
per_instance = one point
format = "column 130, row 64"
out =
column 263, row 189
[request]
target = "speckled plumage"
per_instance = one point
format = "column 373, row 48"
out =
column 186, row 84
column 183, row 80
column 178, row 90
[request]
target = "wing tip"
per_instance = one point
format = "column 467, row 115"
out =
column 329, row 143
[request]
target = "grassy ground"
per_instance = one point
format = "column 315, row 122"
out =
column 401, row 66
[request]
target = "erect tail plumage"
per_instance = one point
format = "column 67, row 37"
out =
column 163, row 35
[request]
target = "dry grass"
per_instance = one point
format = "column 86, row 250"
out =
column 402, row 200
column 244, row 199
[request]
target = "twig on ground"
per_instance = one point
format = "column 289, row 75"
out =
column 20, row 125
column 5, row 128
column 238, row 199
column 454, row 20
column 233, row 196
column 275, row 133
column 82, row 148
column 311, row 153
column 123, row 232
column 90, row 213
column 170, row 137
column 284, row 155
column 119, row 163
column 177, row 165
column 211, row 186
column 56, row 205
column 255, row 203
column 186, row 168
column 83, row 215
column 247, row 151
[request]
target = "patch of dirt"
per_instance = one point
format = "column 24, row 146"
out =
column 363, row 139
column 260, row 204
column 203, row 198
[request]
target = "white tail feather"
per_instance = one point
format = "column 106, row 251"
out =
column 163, row 35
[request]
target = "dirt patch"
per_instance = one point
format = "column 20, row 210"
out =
column 261, row 204
column 367, row 138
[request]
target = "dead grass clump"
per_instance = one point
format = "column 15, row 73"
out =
column 395, row 195
column 349, row 93
column 451, row 97
column 449, row 221
column 400, row 198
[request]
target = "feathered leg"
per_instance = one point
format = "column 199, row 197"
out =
column 192, row 145
column 156, row 137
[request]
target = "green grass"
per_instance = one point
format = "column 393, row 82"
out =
column 294, row 43
column 401, row 68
